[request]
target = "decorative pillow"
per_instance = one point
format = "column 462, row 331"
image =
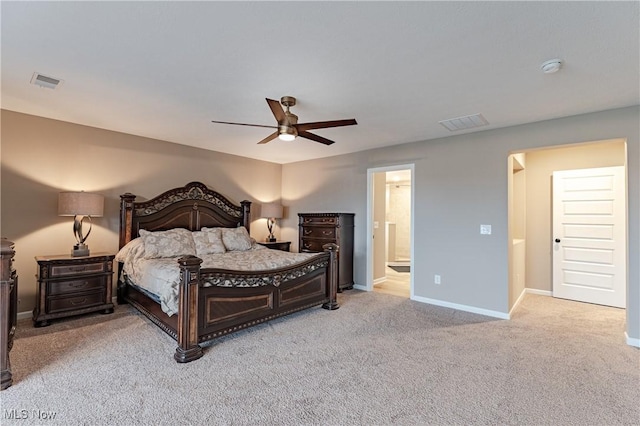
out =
column 208, row 241
column 236, row 239
column 171, row 243
column 133, row 250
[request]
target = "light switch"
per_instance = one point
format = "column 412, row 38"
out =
column 376, row 225
column 485, row 229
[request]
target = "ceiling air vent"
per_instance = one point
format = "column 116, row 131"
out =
column 464, row 123
column 46, row 82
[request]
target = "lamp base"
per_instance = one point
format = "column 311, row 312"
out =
column 271, row 239
column 80, row 250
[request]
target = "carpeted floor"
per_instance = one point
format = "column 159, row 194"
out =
column 378, row 360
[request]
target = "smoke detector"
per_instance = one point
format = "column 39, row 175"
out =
column 551, row 66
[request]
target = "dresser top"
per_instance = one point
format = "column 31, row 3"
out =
column 326, row 214
column 52, row 257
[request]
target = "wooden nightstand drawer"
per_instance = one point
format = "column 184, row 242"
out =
column 276, row 245
column 84, row 284
column 66, row 303
column 87, row 268
column 319, row 232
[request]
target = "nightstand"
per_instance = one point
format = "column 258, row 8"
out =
column 72, row 285
column 277, row 245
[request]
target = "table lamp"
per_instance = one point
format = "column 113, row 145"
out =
column 80, row 205
column 271, row 211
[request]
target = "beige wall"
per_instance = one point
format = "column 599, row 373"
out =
column 41, row 157
column 540, row 166
column 461, row 182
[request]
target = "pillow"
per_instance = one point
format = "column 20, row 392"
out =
column 172, row 243
column 208, row 241
column 236, row 239
column 134, row 249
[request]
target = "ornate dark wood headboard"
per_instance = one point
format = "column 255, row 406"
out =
column 193, row 207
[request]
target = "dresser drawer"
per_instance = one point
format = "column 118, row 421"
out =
column 313, row 220
column 319, row 232
column 312, row 245
column 67, row 270
column 74, row 286
column 66, row 303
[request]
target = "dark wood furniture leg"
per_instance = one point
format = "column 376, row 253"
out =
column 188, row 348
column 332, row 304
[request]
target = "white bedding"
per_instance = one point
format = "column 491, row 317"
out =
column 161, row 276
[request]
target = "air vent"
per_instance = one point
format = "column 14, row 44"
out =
column 46, row 82
column 463, row 123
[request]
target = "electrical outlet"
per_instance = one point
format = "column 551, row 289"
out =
column 485, row 229
column 436, row 279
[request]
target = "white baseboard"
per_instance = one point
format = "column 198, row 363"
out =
column 466, row 308
column 23, row 315
column 379, row 280
column 538, row 292
column 515, row 305
column 631, row 341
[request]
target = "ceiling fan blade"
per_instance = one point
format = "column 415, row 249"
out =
column 277, row 111
column 316, row 138
column 325, row 124
column 269, row 138
column 244, row 124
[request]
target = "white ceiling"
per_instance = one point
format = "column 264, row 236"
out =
column 164, row 70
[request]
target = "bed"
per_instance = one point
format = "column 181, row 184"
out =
column 213, row 301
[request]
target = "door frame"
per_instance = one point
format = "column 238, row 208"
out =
column 370, row 173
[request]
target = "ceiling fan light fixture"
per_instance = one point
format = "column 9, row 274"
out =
column 288, row 137
column 287, row 133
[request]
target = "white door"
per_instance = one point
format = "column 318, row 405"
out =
column 589, row 235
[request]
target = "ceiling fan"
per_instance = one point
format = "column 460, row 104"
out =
column 288, row 127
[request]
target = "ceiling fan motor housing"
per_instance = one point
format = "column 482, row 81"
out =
column 288, row 101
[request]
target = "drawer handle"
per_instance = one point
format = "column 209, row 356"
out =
column 326, row 232
column 79, row 285
column 307, row 231
column 308, row 220
column 307, row 245
column 75, row 303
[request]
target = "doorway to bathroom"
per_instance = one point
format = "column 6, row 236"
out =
column 390, row 220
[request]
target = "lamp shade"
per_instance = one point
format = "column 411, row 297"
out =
column 80, row 203
column 271, row 210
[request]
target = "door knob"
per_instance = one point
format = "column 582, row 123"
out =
column 557, row 240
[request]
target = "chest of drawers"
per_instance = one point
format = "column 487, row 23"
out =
column 318, row 229
column 72, row 285
column 8, row 310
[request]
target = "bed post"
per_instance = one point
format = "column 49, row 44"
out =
column 126, row 217
column 333, row 276
column 188, row 348
column 246, row 214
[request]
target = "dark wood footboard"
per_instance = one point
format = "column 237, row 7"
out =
column 207, row 312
